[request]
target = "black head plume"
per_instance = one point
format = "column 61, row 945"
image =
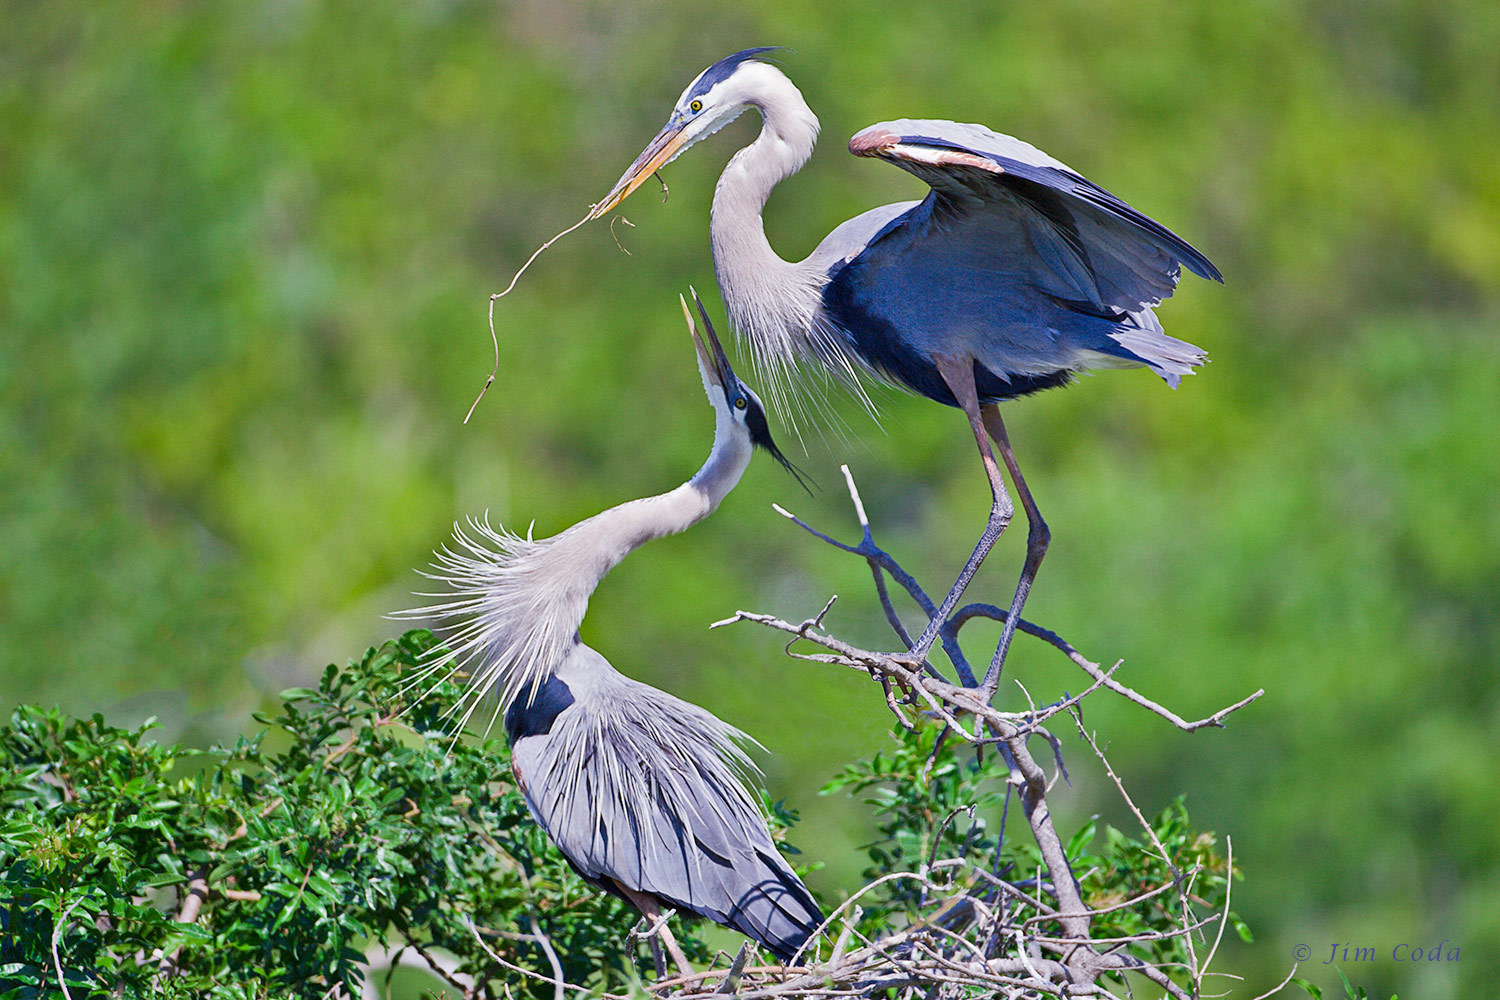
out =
column 725, row 67
column 760, row 436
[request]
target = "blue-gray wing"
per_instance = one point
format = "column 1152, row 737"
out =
column 641, row 790
column 1074, row 240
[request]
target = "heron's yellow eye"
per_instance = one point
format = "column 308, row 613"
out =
column 739, row 404
column 697, row 106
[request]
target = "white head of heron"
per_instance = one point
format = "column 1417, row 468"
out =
column 737, row 409
column 716, row 97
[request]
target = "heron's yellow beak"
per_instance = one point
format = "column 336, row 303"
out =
column 655, row 156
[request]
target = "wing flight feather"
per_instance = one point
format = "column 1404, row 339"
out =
column 1091, row 246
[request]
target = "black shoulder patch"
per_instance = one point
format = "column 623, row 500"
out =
column 722, row 69
column 536, row 708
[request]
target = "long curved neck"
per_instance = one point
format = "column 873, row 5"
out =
column 610, row 536
column 761, row 290
column 517, row 603
column 787, row 136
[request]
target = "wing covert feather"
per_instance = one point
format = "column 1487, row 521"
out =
column 1085, row 244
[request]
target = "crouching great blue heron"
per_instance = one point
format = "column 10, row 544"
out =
column 646, row 795
column 1013, row 274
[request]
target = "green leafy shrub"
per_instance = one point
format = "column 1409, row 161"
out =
column 350, row 819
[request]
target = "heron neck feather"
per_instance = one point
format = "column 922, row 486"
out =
column 768, row 298
column 612, row 535
column 776, row 304
column 518, row 602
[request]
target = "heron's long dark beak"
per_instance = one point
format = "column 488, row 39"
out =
column 705, row 359
column 655, row 156
column 708, row 346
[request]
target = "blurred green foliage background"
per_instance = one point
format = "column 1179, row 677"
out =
column 245, row 251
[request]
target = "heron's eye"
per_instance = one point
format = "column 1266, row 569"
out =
column 696, row 106
column 739, row 404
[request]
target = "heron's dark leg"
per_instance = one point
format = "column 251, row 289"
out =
column 1038, row 536
column 958, row 373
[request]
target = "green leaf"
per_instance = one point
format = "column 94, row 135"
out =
column 1082, row 838
column 171, row 878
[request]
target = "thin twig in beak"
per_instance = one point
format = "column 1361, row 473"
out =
column 500, row 295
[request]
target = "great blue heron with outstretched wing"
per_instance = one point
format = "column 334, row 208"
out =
column 1012, row 275
column 646, row 795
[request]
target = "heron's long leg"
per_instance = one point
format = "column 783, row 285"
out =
column 1038, row 535
column 958, row 373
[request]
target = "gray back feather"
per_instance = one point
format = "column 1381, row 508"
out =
column 643, row 789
